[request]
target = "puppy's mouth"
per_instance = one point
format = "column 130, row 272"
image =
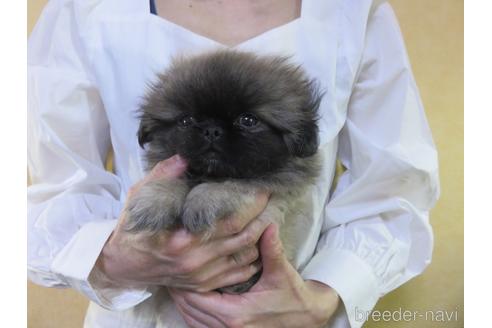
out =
column 210, row 163
column 212, row 159
column 211, row 154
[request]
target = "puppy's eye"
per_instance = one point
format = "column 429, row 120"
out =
column 247, row 120
column 186, row 121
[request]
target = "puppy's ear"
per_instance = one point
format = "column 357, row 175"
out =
column 144, row 133
column 305, row 143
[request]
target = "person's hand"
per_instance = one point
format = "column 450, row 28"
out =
column 281, row 298
column 178, row 258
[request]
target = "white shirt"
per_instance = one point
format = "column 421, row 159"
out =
column 89, row 62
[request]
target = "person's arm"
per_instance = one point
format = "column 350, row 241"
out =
column 73, row 202
column 376, row 233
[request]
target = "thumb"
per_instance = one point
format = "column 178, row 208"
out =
column 170, row 168
column 271, row 250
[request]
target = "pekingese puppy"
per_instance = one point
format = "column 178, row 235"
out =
column 243, row 123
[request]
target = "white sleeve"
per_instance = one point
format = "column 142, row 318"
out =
column 73, row 202
column 376, row 233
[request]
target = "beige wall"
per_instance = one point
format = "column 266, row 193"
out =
column 433, row 30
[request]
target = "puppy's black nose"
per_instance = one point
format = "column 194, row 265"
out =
column 213, row 133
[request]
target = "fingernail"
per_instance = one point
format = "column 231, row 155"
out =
column 262, row 196
column 174, row 162
column 179, row 161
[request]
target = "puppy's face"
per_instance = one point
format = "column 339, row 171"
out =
column 231, row 115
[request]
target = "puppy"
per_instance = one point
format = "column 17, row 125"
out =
column 243, row 123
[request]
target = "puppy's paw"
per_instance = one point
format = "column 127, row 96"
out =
column 156, row 206
column 203, row 206
column 209, row 202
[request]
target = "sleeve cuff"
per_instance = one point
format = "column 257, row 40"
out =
column 352, row 278
column 75, row 262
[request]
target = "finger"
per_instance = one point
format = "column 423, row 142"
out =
column 234, row 244
column 245, row 256
column 201, row 317
column 215, row 249
column 170, row 168
column 196, row 318
column 271, row 249
column 227, row 263
column 176, row 242
column 190, row 321
column 236, row 222
column 215, row 303
column 234, row 276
